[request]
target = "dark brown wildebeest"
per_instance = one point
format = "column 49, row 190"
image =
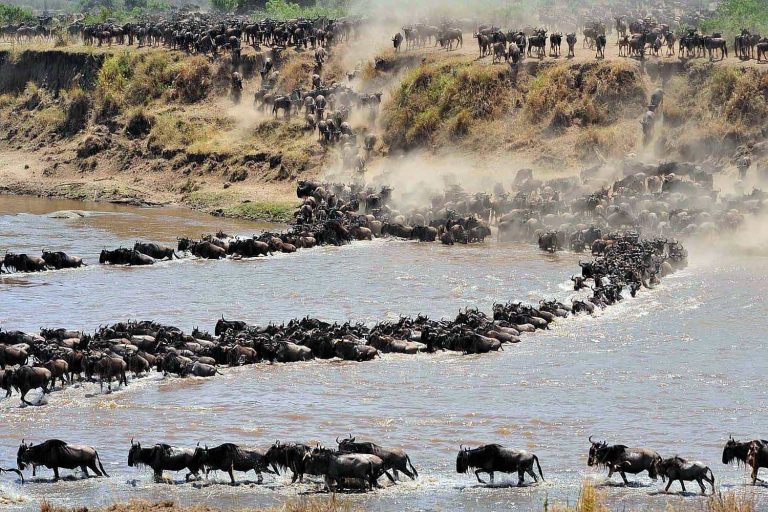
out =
column 24, row 263
column 59, row 260
column 155, row 251
column 342, row 468
column 289, row 456
column 27, row 378
column 230, row 457
column 493, row 458
column 621, row 459
column 164, row 457
column 11, row 355
column 740, row 451
column 571, row 40
column 677, row 468
column 396, row 460
column 55, row 454
column 59, row 369
column 110, row 367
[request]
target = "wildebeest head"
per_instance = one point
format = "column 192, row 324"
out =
column 103, row 256
column 462, row 460
column 734, row 450
column 596, row 452
column 134, row 454
column 22, row 456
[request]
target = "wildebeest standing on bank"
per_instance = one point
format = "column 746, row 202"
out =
column 740, row 451
column 493, row 457
column 164, row 457
column 396, row 459
column 621, row 459
column 55, row 454
column 677, row 468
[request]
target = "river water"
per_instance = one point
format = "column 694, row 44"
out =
column 677, row 369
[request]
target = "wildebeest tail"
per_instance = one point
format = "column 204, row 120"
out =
column 536, row 460
column 413, row 469
column 101, row 467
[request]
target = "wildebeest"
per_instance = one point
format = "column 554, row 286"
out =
column 155, row 251
column 230, row 457
column 492, row 458
column 290, row 456
column 571, row 40
column 55, row 454
column 600, row 44
column 27, row 378
column 339, row 468
column 164, row 457
column 59, row 260
column 123, row 256
column 621, row 459
column 396, row 460
column 740, row 451
column 677, row 468
column 24, row 262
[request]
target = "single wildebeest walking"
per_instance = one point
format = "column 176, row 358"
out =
column 55, row 454
column 620, row 459
column 231, row 457
column 164, row 457
column 339, row 469
column 677, row 468
column 396, row 460
column 493, row 457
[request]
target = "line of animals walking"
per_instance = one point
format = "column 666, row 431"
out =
column 39, row 361
column 666, row 199
column 356, row 465
column 648, row 38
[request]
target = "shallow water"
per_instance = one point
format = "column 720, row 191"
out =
column 677, row 369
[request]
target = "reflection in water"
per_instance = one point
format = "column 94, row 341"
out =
column 676, row 369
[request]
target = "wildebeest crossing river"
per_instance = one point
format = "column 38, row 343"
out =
column 678, row 368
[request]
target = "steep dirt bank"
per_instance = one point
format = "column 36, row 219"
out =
column 156, row 126
column 152, row 126
column 559, row 114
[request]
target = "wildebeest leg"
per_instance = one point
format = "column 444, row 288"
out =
column 231, row 475
column 669, row 484
column 24, row 400
column 520, row 477
column 491, row 474
column 391, row 479
column 477, row 474
column 754, row 474
column 84, row 469
column 55, row 474
column 94, row 468
column 533, row 475
column 701, row 484
column 682, row 484
column 624, row 477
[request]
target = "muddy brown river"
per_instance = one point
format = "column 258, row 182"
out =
column 678, row 369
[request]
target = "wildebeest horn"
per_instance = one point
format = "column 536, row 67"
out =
column 590, row 440
column 461, row 447
column 131, row 441
column 337, row 440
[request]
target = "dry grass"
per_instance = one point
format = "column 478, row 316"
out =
column 592, row 499
column 306, row 505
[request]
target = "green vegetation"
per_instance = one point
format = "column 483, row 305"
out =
column 14, row 14
column 433, row 97
column 735, row 15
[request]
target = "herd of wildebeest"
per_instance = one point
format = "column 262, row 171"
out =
column 355, row 465
column 638, row 27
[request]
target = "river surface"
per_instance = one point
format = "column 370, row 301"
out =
column 677, row 369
